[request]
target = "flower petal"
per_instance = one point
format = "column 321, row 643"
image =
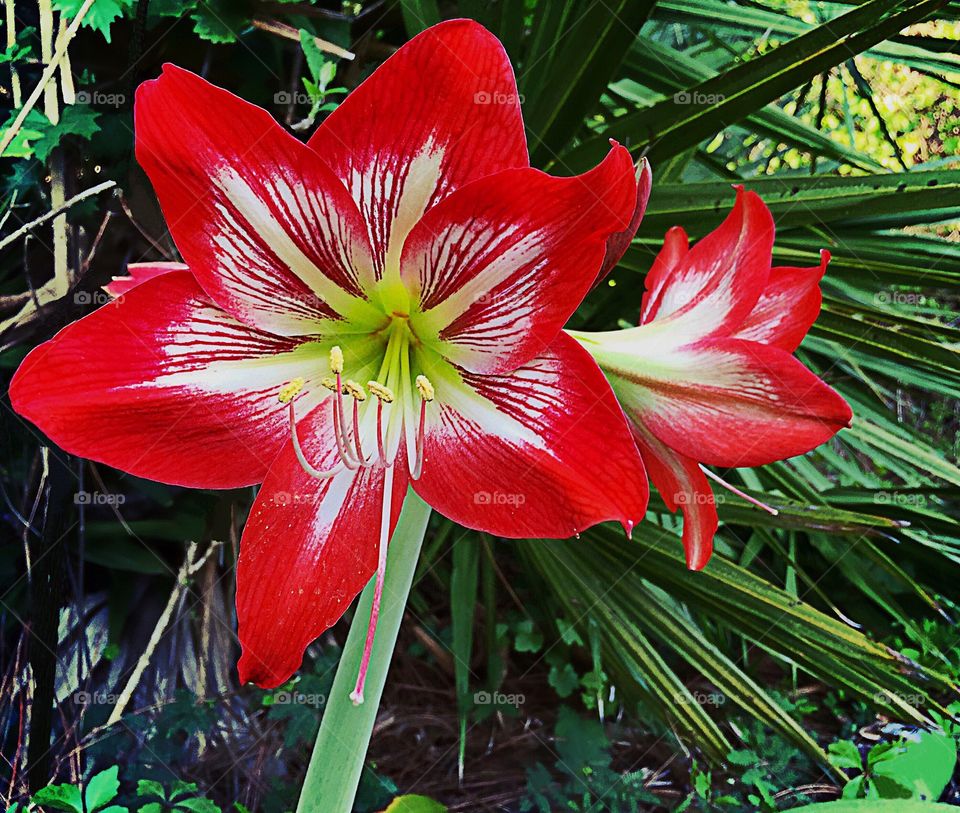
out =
column 140, row 272
column 265, row 226
column 724, row 402
column 682, row 485
column 442, row 111
column 163, row 384
column 788, row 307
column 498, row 266
column 709, row 290
column 308, row 548
column 617, row 244
column 544, row 451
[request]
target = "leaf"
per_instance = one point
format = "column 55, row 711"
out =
column 528, row 638
column 60, row 797
column 218, row 21
column 76, row 119
column 464, row 579
column 845, row 754
column 875, row 806
column 150, row 787
column 412, row 803
column 100, row 16
column 580, row 742
column 921, row 766
column 563, row 679
column 102, row 788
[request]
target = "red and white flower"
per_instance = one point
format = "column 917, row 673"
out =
column 708, row 376
column 380, row 306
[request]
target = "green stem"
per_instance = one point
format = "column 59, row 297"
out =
column 341, row 748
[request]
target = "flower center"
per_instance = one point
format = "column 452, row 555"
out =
column 369, row 433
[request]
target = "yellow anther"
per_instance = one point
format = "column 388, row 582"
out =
column 381, row 391
column 425, row 388
column 330, row 383
column 336, row 359
column 290, row 391
column 354, row 389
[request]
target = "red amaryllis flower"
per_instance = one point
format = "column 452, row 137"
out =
column 400, row 283
column 708, row 377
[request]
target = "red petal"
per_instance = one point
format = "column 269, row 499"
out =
column 308, row 548
column 682, row 485
column 500, row 265
column 710, row 289
column 542, row 452
column 140, row 272
column 618, row 243
column 442, row 111
column 731, row 403
column 163, row 384
column 265, row 226
column 788, row 307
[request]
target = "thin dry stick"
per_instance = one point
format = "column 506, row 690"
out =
column 187, row 569
column 291, row 33
column 48, row 72
column 86, row 193
column 66, row 72
column 11, row 19
column 51, row 108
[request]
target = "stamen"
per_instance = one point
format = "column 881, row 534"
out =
column 383, row 394
column 318, row 474
column 418, row 461
column 290, row 391
column 340, row 425
column 358, row 394
column 427, row 393
column 330, row 383
column 742, row 494
column 357, row 694
column 425, row 388
column 336, row 359
column 381, row 391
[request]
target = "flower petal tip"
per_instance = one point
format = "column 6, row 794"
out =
column 697, row 559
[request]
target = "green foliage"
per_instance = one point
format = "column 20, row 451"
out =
column 584, row 779
column 100, row 16
column 100, row 791
column 919, row 766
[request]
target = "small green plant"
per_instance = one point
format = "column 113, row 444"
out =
column 915, row 767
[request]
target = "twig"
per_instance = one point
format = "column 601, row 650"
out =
column 48, row 72
column 291, row 33
column 93, row 190
column 11, row 42
column 187, row 569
